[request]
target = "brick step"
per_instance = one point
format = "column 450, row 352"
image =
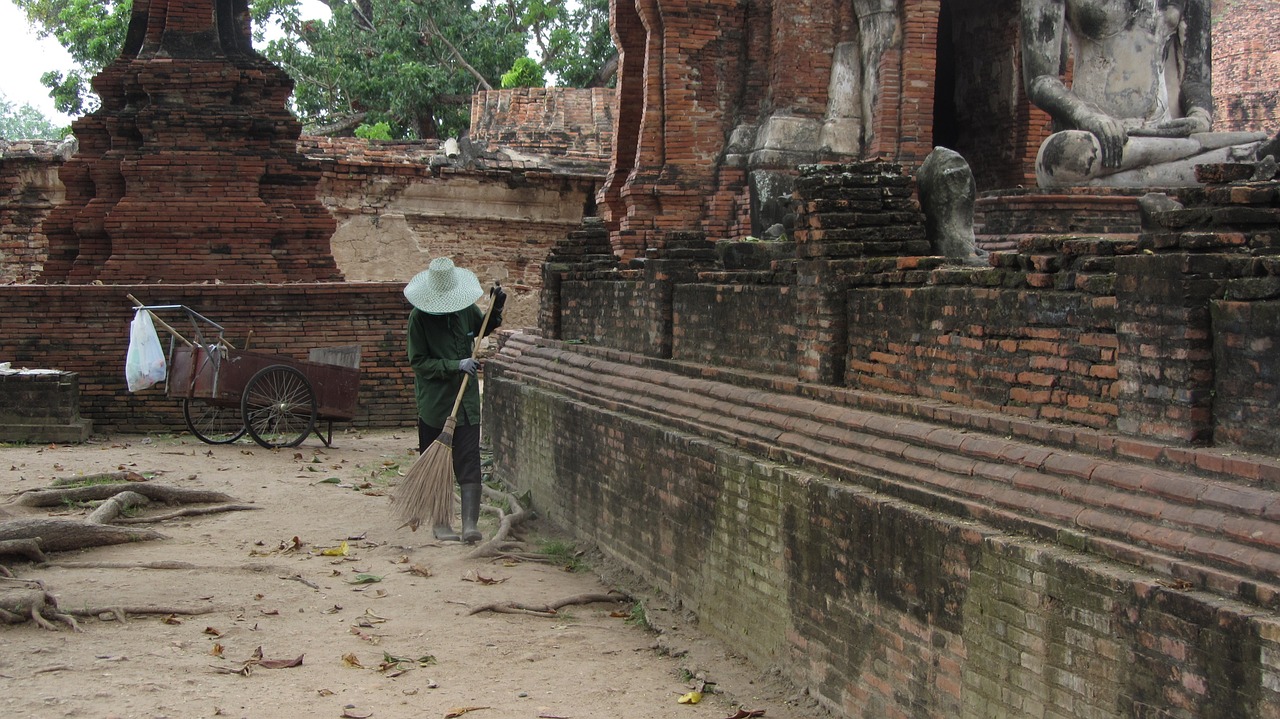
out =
column 1209, row 534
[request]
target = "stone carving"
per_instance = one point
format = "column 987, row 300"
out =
column 855, row 77
column 1139, row 109
column 947, row 193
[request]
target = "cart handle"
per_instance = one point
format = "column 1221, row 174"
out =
column 157, row 320
column 165, row 325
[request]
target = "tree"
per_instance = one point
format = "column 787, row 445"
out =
column 92, row 31
column 413, row 64
column 26, row 123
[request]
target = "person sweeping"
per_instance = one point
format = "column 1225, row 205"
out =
column 445, row 326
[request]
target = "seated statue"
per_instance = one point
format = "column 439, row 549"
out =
column 1139, row 109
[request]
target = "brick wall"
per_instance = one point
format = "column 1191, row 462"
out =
column 85, row 329
column 29, row 190
column 1108, row 331
column 1246, row 63
column 880, row 608
column 552, row 121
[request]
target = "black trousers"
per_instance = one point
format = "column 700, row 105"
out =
column 466, row 450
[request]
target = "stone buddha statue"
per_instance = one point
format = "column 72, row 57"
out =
column 1139, row 110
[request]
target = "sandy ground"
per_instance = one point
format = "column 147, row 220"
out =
column 405, row 645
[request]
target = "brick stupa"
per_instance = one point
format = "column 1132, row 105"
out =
column 189, row 170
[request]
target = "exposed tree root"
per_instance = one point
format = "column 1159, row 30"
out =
column 549, row 610
column 118, row 565
column 103, row 478
column 60, row 535
column 94, row 492
column 118, row 494
column 19, row 605
column 188, row 512
column 501, row 542
column 120, row 613
column 29, row 548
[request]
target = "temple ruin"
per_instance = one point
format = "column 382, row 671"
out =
column 1040, row 482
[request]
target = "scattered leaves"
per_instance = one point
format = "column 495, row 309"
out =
column 690, row 698
column 459, row 711
column 420, row 570
column 351, row 661
column 341, row 550
column 365, row 579
column 478, row 578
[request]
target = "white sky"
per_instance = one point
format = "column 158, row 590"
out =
column 24, row 58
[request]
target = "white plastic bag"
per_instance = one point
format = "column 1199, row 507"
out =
column 144, row 365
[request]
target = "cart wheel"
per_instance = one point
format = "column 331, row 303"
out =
column 279, row 407
column 214, row 424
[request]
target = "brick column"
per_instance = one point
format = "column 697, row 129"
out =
column 846, row 213
column 584, row 250
column 679, row 259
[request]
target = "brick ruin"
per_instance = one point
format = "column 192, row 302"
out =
column 1043, row 485
column 189, row 171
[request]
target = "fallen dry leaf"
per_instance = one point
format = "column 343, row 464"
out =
column 478, row 578
column 216, row 650
column 212, row 631
column 351, row 661
column 420, row 570
column 281, row 663
column 459, row 711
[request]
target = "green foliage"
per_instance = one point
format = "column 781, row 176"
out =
column 526, row 72
column 411, row 64
column 638, row 617
column 579, row 46
column 26, row 123
column 379, row 131
column 563, row 554
column 92, row 31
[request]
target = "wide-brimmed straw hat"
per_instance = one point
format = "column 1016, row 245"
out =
column 443, row 288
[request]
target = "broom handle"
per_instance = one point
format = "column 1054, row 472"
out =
column 475, row 347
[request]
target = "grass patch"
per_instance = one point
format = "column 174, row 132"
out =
column 638, row 617
column 564, row 554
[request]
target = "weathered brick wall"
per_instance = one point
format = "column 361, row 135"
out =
column 552, row 121
column 878, row 607
column 1246, row 386
column 608, row 313
column 1030, row 353
column 720, row 323
column 85, row 329
column 1109, row 331
column 1246, row 64
column 29, row 190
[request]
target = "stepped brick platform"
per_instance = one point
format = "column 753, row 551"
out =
column 1192, row 518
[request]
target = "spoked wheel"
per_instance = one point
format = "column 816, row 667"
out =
column 213, row 424
column 279, row 407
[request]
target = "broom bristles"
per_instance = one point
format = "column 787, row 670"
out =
column 426, row 496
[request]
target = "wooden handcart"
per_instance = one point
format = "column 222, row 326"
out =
column 279, row 401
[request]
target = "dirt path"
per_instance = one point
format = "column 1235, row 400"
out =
column 268, row 590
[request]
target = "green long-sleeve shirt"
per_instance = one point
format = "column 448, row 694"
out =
column 436, row 344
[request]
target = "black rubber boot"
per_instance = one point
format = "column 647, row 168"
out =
column 471, row 513
column 444, row 532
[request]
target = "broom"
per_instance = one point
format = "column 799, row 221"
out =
column 427, row 492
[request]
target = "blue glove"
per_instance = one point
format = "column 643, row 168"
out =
column 469, row 366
